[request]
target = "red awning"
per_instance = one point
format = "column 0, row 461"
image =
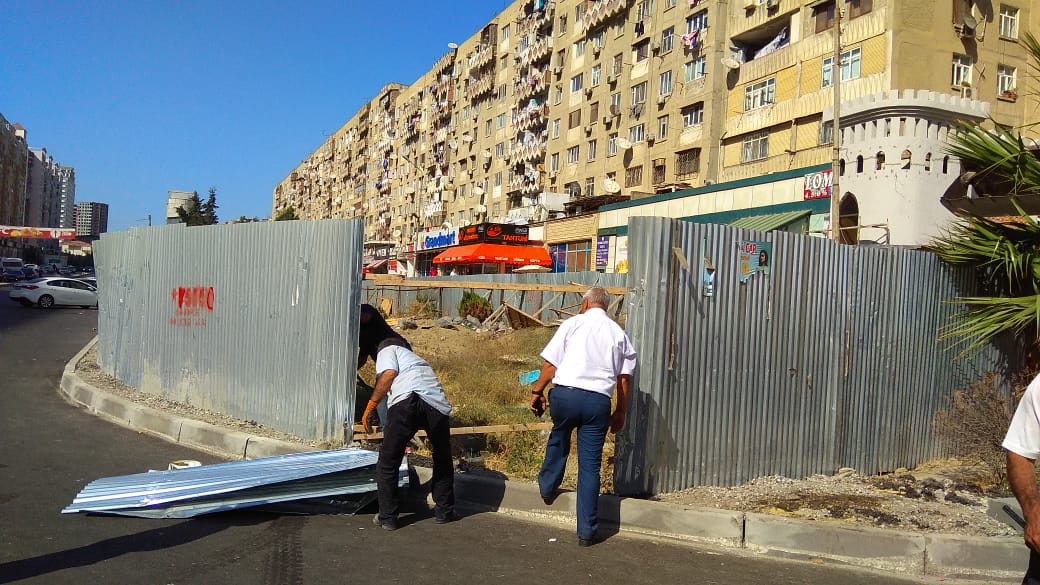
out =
column 494, row 254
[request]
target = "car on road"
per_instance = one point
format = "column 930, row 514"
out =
column 92, row 281
column 54, row 291
column 11, row 274
column 29, row 273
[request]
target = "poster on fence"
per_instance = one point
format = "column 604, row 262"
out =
column 754, row 258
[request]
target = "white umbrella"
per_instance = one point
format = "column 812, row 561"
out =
column 532, row 268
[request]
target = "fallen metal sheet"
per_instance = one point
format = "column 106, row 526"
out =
column 183, row 493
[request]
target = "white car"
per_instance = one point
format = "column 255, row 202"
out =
column 51, row 291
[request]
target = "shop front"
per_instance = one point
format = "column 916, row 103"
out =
column 428, row 245
column 491, row 248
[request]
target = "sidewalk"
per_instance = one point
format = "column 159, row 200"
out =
column 913, row 554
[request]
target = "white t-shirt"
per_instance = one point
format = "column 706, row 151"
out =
column 414, row 375
column 590, row 351
column 1023, row 436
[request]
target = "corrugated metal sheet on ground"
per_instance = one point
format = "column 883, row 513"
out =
column 768, row 223
column 192, row 491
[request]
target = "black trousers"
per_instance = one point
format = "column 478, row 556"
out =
column 402, row 421
column 1033, row 572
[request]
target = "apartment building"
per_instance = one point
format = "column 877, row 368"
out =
column 91, row 220
column 66, row 196
column 691, row 107
column 14, row 160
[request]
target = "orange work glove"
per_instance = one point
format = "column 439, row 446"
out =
column 369, row 410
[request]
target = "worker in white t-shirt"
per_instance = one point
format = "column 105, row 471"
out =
column 415, row 400
column 1023, row 448
column 588, row 356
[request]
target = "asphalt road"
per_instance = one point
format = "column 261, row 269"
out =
column 49, row 450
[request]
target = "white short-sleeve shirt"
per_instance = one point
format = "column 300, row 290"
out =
column 414, row 375
column 1023, row 436
column 590, row 351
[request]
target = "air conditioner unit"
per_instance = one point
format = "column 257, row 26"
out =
column 552, row 174
column 588, row 128
column 651, row 137
column 588, row 92
column 749, row 4
column 558, row 70
column 612, row 78
column 596, row 51
column 968, row 92
column 661, row 99
column 772, row 3
column 655, row 46
column 606, row 119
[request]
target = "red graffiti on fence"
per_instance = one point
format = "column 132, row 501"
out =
column 190, row 303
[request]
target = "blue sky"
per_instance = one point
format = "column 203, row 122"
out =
column 144, row 97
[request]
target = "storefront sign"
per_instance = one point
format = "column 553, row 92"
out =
column 437, row 239
column 602, row 252
column 494, row 233
column 8, row 231
column 621, row 255
column 817, row 185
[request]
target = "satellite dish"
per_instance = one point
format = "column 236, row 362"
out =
column 478, row 190
column 624, row 144
column 487, row 153
column 970, row 23
column 611, row 186
column 480, row 208
column 397, row 233
column 452, row 144
column 466, row 138
column 730, row 63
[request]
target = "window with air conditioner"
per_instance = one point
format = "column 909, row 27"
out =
column 612, row 144
column 636, row 133
column 961, row 71
column 759, row 94
column 1008, row 22
column 576, row 83
column 573, row 153
column 755, row 147
column 668, row 39
column 850, row 68
column 639, row 93
column 693, row 115
column 695, row 69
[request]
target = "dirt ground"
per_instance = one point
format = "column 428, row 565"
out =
column 937, row 497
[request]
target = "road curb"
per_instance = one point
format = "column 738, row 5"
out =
column 944, row 556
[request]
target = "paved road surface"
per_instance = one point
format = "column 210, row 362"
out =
column 49, row 450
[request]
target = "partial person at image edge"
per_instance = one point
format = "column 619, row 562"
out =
column 1022, row 443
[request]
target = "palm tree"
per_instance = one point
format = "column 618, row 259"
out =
column 1005, row 253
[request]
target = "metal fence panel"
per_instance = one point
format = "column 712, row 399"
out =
column 253, row 320
column 830, row 361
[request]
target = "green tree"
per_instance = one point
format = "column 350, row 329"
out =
column 1005, row 254
column 190, row 213
column 209, row 208
column 289, row 213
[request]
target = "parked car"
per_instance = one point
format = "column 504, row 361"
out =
column 29, row 273
column 11, row 274
column 53, row 291
column 48, row 269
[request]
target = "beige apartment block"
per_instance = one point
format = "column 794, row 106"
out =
column 553, row 109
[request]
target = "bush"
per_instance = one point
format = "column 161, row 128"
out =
column 974, row 424
column 474, row 304
column 424, row 307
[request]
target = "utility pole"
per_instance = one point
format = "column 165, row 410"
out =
column 836, row 234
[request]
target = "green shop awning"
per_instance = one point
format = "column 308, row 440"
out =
column 770, row 222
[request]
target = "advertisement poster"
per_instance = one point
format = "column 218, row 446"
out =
column 621, row 255
column 817, row 185
column 754, row 258
column 602, row 252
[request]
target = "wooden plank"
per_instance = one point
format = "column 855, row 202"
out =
column 360, row 435
column 569, row 288
column 519, row 319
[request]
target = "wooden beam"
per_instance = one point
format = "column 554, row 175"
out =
column 566, row 288
column 360, row 435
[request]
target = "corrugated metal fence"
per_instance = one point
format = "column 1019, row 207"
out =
column 254, row 320
column 830, row 361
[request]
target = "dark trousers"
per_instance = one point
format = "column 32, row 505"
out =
column 1033, row 572
column 403, row 420
column 589, row 413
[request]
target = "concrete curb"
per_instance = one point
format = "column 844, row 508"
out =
column 944, row 556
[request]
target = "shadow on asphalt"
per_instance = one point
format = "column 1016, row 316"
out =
column 165, row 537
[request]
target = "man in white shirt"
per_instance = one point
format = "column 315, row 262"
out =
column 415, row 400
column 1023, row 448
column 588, row 356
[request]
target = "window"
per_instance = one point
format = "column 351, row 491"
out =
column 687, row 162
column 563, row 25
column 1005, row 79
column 554, row 162
column 662, row 127
column 693, row 115
column 755, row 147
column 612, row 144
column 561, row 58
column 850, row 67
column 668, row 39
column 670, row 4
column 644, row 9
column 619, row 28
column 858, row 8
column 597, row 74
column 859, row 164
column 576, row 83
column 591, row 149
column 636, row 133
column 498, row 179
column 1008, row 22
column 579, row 49
column 698, row 21
column 572, row 257
column 639, row 93
column 500, row 121
column 593, row 112
column 640, row 51
column 556, row 128
column 659, row 171
column 502, row 93
column 695, row 69
column 961, row 70
column 500, row 150
column 487, row 128
column 590, row 186
column 616, row 64
column 504, row 34
column 572, row 154
column 557, row 96
column 879, row 161
column 597, row 40
column 665, row 85
column 579, row 12
column 824, row 17
column 615, row 102
column 759, row 94
column 827, row 132
column 574, row 119
column 634, row 176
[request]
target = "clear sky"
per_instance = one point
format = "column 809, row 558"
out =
column 144, row 97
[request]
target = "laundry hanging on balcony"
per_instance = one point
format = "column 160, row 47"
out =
column 780, row 41
column 691, row 39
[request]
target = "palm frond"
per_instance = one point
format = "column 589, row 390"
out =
column 989, row 317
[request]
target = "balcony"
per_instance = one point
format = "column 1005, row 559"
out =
column 479, row 86
column 538, row 51
column 529, row 151
column 601, row 12
column 529, row 117
column 483, row 56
